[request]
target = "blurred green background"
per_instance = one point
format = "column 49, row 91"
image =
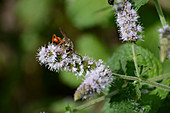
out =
column 26, row 25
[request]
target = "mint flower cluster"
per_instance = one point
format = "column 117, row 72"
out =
column 165, row 32
column 96, row 81
column 95, row 74
column 127, row 21
column 165, row 42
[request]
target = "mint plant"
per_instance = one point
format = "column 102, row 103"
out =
column 131, row 80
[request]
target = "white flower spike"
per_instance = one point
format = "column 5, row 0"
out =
column 95, row 74
column 127, row 21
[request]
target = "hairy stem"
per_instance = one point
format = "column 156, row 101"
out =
column 148, row 82
column 160, row 77
column 165, row 87
column 134, row 58
column 125, row 77
column 159, row 10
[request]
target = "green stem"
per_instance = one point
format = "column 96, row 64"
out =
column 134, row 58
column 151, row 83
column 159, row 10
column 126, row 77
column 160, row 77
column 165, row 87
column 95, row 101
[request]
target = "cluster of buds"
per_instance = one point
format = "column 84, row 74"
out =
column 165, row 32
column 95, row 74
column 127, row 19
column 164, row 42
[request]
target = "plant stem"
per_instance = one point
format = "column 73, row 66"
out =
column 160, row 77
column 148, row 82
column 125, row 77
column 159, row 10
column 165, row 87
column 95, row 101
column 134, row 58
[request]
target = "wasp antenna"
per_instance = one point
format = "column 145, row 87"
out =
column 63, row 33
column 61, row 30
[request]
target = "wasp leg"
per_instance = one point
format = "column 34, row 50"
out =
column 62, row 51
column 68, row 54
column 78, row 55
column 55, row 39
column 59, row 45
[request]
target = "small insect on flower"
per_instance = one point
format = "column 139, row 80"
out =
column 65, row 43
column 59, row 55
column 118, row 4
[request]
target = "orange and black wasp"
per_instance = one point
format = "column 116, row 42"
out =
column 65, row 43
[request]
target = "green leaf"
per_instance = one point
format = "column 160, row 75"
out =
column 144, row 58
column 124, row 63
column 86, row 13
column 160, row 92
column 139, row 3
column 151, row 39
column 151, row 99
column 126, row 106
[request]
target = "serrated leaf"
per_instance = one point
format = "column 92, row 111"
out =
column 127, row 106
column 84, row 13
column 139, row 3
column 144, row 57
column 151, row 100
column 123, row 64
column 162, row 93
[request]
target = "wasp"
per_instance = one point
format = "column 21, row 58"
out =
column 65, row 43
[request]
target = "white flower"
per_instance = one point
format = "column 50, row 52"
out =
column 95, row 74
column 90, row 62
column 165, row 31
column 42, row 55
column 127, row 20
column 95, row 82
column 164, row 43
column 74, row 69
